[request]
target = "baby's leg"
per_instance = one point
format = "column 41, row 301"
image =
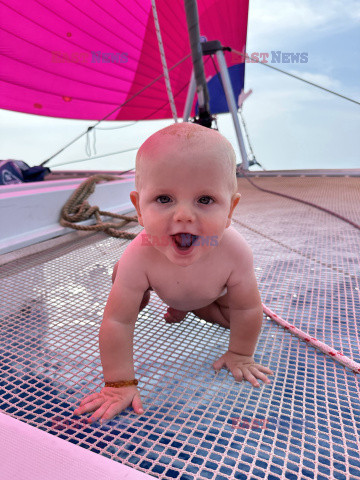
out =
column 213, row 313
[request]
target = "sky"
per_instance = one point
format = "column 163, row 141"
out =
column 291, row 125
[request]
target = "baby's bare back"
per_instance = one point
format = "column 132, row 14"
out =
column 194, row 286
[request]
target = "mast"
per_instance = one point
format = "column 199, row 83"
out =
column 197, row 52
column 192, row 19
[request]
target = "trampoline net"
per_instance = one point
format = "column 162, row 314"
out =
column 199, row 424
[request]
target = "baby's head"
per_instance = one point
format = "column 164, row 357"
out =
column 185, row 183
column 188, row 139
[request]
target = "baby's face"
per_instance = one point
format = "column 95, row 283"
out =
column 185, row 202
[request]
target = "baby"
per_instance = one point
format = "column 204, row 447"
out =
column 186, row 193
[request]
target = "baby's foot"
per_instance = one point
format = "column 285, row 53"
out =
column 174, row 316
column 145, row 300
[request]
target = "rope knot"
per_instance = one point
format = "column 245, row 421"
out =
column 78, row 209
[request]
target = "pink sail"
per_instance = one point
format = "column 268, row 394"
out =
column 82, row 59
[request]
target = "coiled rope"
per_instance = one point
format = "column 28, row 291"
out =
column 77, row 209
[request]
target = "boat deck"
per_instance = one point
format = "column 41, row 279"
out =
column 199, row 424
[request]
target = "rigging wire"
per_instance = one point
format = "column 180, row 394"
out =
column 113, row 111
column 115, row 128
column 122, row 126
column 326, row 210
column 244, row 173
column 252, row 160
column 97, row 156
column 163, row 62
column 254, row 60
column 88, row 145
column 88, row 142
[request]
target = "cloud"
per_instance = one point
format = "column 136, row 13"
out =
column 269, row 22
column 319, row 79
column 274, row 91
column 293, row 125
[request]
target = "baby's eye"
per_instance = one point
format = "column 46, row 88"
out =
column 206, row 200
column 163, row 199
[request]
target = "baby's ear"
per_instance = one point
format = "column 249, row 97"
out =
column 234, row 201
column 134, row 197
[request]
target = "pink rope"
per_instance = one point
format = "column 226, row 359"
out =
column 337, row 356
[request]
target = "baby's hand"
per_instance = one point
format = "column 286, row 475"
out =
column 243, row 367
column 109, row 402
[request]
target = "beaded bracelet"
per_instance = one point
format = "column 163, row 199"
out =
column 122, row 383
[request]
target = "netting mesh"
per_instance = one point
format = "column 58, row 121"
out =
column 199, row 424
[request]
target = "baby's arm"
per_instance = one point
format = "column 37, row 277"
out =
column 246, row 316
column 116, row 342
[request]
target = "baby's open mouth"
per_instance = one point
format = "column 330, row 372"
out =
column 184, row 240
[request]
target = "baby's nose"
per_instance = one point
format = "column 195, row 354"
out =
column 184, row 213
